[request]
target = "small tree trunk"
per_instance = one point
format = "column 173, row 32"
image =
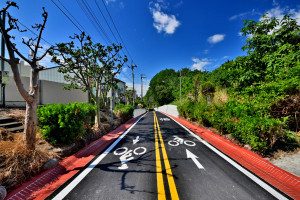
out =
column 31, row 112
column 30, row 125
column 98, row 123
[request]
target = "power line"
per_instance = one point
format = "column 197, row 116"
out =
column 92, row 14
column 72, row 15
column 34, row 33
column 116, row 29
column 88, row 11
column 66, row 16
column 108, row 24
column 106, row 20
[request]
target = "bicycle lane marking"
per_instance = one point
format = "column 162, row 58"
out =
column 85, row 172
column 172, row 186
column 243, row 170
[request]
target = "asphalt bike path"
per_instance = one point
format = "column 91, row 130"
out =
column 158, row 159
column 199, row 173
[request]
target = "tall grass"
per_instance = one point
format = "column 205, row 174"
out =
column 18, row 164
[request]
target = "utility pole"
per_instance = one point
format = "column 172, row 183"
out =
column 142, row 77
column 112, row 106
column 2, row 63
column 133, row 96
column 180, row 87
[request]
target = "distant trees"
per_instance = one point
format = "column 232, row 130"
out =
column 89, row 67
column 30, row 96
column 163, row 86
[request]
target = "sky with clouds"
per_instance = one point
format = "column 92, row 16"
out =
column 158, row 34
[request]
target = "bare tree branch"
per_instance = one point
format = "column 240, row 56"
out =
column 45, row 16
column 46, row 52
column 6, row 60
column 23, row 57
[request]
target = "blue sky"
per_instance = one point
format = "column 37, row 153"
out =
column 158, row 34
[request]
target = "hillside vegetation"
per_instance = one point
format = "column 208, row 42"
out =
column 255, row 97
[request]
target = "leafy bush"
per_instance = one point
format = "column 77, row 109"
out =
column 247, row 121
column 124, row 112
column 62, row 124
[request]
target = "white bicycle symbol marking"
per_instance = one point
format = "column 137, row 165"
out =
column 177, row 140
column 126, row 155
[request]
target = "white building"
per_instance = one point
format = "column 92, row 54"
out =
column 51, row 90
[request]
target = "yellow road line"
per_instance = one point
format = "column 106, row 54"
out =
column 159, row 175
column 172, row 186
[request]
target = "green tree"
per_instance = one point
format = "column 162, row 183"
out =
column 162, row 87
column 90, row 67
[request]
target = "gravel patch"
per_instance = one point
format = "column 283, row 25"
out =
column 290, row 163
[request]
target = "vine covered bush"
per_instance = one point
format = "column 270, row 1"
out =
column 63, row 124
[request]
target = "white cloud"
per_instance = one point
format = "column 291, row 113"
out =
column 162, row 21
column 276, row 12
column 275, row 3
column 121, row 5
column 200, row 64
column 279, row 13
column 216, row 38
column 177, row 5
column 46, row 61
column 244, row 14
column 109, row 1
column 241, row 15
column 248, row 35
column 125, row 69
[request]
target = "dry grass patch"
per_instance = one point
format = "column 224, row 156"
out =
column 17, row 114
column 220, row 96
column 18, row 164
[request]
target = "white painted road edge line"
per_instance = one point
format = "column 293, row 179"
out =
column 233, row 163
column 62, row 194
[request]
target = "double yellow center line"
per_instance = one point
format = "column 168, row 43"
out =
column 160, row 181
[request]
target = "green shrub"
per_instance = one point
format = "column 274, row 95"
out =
column 247, row 121
column 124, row 112
column 62, row 124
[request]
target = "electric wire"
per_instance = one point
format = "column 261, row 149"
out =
column 72, row 16
column 117, row 29
column 66, row 15
column 106, row 21
column 93, row 23
column 108, row 24
column 34, row 32
column 92, row 14
column 93, row 19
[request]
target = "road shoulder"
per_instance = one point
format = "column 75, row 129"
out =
column 277, row 177
column 44, row 184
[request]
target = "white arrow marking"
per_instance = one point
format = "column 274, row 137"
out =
column 194, row 158
column 136, row 140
